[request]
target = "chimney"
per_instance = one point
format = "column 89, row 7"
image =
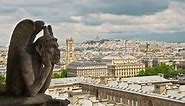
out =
column 160, row 88
column 94, row 103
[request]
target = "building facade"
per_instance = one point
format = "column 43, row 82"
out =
column 87, row 69
column 110, row 66
column 123, row 66
column 125, row 70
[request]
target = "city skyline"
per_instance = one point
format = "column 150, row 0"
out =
column 92, row 52
column 161, row 20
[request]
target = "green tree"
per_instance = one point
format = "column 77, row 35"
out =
column 64, row 73
column 60, row 74
column 162, row 68
column 141, row 73
column 177, row 72
column 147, row 72
column 2, row 80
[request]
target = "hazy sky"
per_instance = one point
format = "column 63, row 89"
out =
column 86, row 19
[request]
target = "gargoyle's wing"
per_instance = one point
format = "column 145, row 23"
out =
column 19, row 41
column 22, row 34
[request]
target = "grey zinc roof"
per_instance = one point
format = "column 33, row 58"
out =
column 145, row 79
column 118, row 57
column 86, row 63
column 64, row 81
column 123, row 86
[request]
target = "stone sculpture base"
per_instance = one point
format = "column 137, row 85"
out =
column 39, row 100
column 58, row 102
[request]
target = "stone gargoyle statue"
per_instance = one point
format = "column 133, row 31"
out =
column 30, row 60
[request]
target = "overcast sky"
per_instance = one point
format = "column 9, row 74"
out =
column 86, row 19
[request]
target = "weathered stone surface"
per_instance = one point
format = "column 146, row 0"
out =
column 30, row 64
column 58, row 102
column 38, row 100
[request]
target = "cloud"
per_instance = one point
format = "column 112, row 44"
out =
column 170, row 20
column 62, row 10
column 84, row 19
column 137, row 7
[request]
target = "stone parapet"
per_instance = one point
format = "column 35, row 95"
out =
column 38, row 100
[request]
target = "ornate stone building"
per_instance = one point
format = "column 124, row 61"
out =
column 109, row 66
column 87, row 69
column 123, row 66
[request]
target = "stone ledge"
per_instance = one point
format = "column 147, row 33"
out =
column 58, row 102
column 39, row 99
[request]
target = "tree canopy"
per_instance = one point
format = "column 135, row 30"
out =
column 60, row 74
column 2, row 80
column 166, row 70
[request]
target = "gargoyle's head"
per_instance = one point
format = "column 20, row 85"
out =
column 47, row 44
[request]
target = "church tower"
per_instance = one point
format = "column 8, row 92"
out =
column 69, row 51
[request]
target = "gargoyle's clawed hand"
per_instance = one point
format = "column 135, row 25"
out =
column 46, row 59
column 56, row 56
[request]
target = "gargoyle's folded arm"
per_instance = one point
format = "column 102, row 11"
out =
column 33, row 85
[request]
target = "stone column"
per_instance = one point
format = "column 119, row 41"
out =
column 118, row 99
column 129, row 102
column 124, row 100
column 136, row 103
column 104, row 95
column 99, row 94
column 108, row 98
column 139, row 102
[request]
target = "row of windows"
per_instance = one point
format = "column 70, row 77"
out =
column 92, row 73
column 129, row 67
column 126, row 73
column 86, row 71
column 93, row 67
column 128, row 70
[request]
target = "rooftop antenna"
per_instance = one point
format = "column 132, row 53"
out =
column 147, row 48
column 126, row 46
column 97, row 38
column 133, row 49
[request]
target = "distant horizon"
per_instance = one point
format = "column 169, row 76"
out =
column 158, row 20
column 157, row 38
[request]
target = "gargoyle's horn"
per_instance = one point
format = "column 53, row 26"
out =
column 50, row 30
column 46, row 32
